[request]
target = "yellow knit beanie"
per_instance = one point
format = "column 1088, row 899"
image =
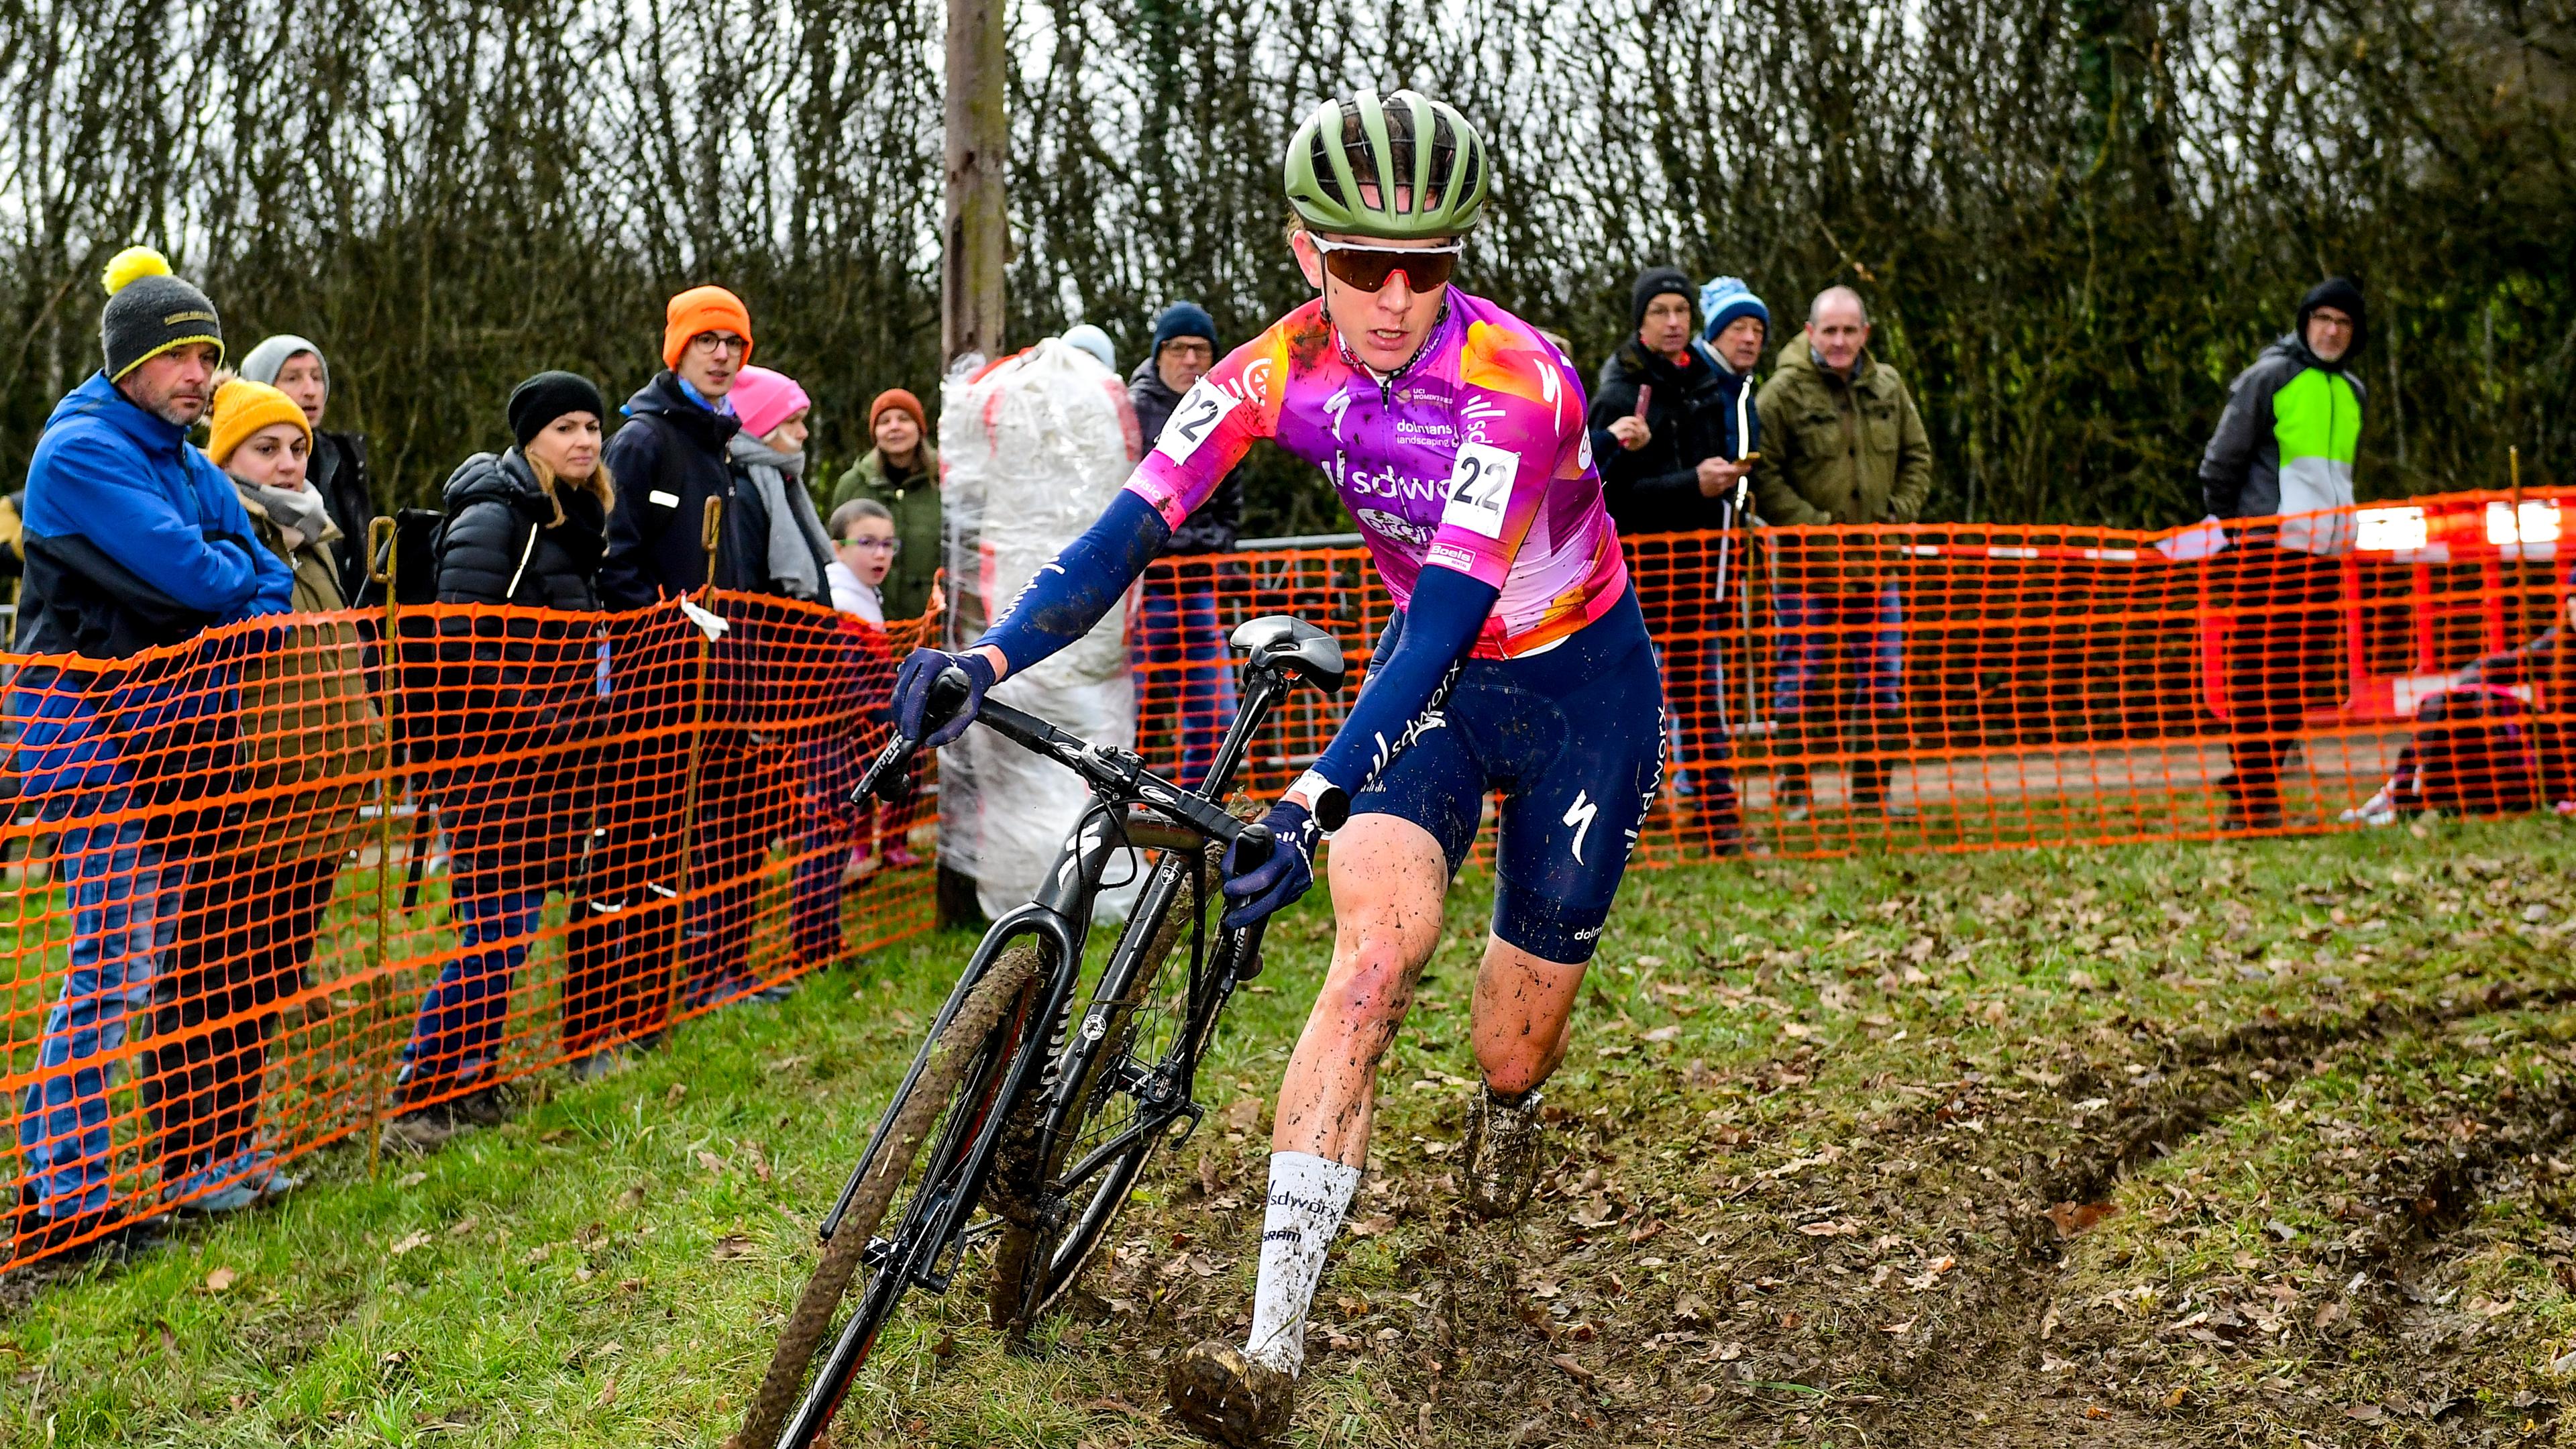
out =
column 243, row 407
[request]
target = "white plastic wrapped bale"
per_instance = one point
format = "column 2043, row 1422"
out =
column 1032, row 449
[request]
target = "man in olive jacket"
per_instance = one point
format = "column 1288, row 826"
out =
column 1842, row 444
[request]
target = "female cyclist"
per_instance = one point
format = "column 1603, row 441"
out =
column 1517, row 663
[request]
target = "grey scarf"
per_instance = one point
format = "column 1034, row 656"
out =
column 300, row 513
column 796, row 548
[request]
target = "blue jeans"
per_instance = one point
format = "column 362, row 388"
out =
column 125, row 913
column 1178, row 631
column 459, row 1030
column 1865, row 628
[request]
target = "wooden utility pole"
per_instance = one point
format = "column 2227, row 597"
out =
column 975, row 229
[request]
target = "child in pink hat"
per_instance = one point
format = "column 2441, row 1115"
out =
column 771, row 404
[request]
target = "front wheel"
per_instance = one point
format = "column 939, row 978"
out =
column 949, row 1096
column 1142, row 1014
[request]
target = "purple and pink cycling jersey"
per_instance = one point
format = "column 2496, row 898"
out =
column 1474, row 458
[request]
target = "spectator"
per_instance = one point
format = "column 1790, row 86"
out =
column 864, row 540
column 314, row 752
column 674, row 455
column 1189, row 673
column 134, row 543
column 1844, row 446
column 1094, row 341
column 2284, row 448
column 864, row 548
column 517, row 707
column 338, row 469
column 1671, row 423
column 902, row 473
column 770, row 452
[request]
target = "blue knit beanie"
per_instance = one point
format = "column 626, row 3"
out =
column 1183, row 319
column 1726, row 298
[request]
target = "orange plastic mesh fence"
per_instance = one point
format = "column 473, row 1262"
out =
column 285, row 884
column 1957, row 688
column 292, row 882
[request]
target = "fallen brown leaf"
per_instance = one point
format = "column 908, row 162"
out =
column 2073, row 1218
column 672, row 1098
column 1573, row 1369
column 221, row 1279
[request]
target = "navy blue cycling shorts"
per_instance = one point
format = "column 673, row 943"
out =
column 1573, row 741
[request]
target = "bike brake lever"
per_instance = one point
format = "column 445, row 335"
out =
column 1254, row 845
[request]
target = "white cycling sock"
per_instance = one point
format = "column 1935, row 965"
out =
column 1308, row 1195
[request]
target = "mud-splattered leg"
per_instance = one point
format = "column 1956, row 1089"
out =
column 1388, row 877
column 1524, row 1016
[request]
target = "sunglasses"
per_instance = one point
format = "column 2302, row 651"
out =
column 1368, row 268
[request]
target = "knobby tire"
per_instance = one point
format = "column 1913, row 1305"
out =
column 1024, row 1257
column 910, row 1122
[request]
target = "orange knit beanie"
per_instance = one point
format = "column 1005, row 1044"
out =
column 703, row 309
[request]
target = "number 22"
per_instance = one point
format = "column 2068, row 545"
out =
column 1206, row 412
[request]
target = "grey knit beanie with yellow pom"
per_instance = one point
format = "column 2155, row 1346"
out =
column 150, row 311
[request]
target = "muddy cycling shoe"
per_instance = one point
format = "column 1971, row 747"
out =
column 1226, row 1398
column 1502, row 1153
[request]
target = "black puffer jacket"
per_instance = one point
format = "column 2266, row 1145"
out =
column 508, row 542
column 668, row 460
column 1689, row 417
column 517, row 693
column 339, row 473
column 1213, row 528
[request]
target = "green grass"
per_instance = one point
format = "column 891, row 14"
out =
column 1904, row 1057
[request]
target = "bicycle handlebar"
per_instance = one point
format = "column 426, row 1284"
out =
column 1122, row 772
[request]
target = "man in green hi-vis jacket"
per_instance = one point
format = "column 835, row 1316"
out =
column 2282, row 459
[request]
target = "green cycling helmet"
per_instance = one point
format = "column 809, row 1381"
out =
column 1438, row 165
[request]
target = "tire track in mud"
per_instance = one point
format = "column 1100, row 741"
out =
column 1944, row 1384
column 2197, row 1083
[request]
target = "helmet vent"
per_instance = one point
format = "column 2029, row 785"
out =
column 1444, row 158
column 1320, row 159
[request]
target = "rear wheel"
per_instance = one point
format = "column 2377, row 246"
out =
column 949, row 1097
column 1047, row 1236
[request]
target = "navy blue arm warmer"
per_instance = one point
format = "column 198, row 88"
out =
column 1075, row 589
column 1441, row 622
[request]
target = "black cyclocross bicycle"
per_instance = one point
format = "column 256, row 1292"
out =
column 1019, row 1124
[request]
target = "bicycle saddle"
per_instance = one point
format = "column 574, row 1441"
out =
column 1292, row 646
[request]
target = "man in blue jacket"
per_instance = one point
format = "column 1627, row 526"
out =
column 135, row 544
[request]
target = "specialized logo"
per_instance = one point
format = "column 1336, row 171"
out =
column 1579, row 815
column 1336, row 405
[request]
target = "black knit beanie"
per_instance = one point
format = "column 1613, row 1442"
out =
column 150, row 312
column 547, row 396
column 1654, row 282
column 2344, row 295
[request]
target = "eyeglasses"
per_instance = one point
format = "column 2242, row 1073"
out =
column 875, row 545
column 720, row 342
column 1368, row 268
